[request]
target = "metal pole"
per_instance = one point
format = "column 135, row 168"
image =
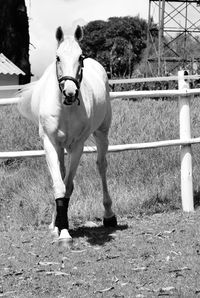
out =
column 148, row 38
column 159, row 40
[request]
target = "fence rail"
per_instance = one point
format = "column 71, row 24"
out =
column 184, row 94
column 111, row 148
column 124, row 81
column 11, row 87
column 155, row 79
column 128, row 94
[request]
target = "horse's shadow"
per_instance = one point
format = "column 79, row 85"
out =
column 196, row 199
column 97, row 235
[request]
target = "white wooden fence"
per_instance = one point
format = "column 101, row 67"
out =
column 184, row 94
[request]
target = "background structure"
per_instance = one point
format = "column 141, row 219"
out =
column 178, row 25
column 14, row 35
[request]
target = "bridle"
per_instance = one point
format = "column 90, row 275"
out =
column 77, row 81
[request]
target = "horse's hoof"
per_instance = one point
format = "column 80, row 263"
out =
column 65, row 240
column 65, row 243
column 110, row 222
column 54, row 234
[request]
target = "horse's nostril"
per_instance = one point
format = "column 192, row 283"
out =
column 64, row 93
column 69, row 94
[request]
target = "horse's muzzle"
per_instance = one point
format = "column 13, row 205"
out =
column 69, row 100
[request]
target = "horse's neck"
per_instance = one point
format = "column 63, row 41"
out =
column 48, row 86
column 45, row 96
column 49, row 75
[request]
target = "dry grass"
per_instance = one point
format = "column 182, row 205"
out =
column 145, row 181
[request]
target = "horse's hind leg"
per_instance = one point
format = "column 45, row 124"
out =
column 75, row 156
column 101, row 138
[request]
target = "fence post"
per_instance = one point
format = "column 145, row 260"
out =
column 186, row 151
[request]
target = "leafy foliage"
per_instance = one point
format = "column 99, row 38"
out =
column 117, row 44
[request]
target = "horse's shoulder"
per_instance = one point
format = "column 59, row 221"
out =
column 93, row 62
column 45, row 81
column 94, row 68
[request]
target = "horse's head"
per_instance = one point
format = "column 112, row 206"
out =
column 69, row 64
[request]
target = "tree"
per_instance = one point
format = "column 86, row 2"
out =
column 117, row 44
column 14, row 35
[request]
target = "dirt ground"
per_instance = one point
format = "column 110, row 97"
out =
column 150, row 256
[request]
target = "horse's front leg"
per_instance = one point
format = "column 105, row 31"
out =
column 55, row 160
column 61, row 159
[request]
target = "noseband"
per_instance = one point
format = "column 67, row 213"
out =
column 77, row 82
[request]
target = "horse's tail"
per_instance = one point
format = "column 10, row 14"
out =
column 24, row 104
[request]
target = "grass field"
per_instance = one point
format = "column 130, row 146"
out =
column 140, row 182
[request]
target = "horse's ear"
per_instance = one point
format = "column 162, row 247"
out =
column 78, row 33
column 59, row 35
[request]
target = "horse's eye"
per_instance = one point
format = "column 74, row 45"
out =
column 57, row 58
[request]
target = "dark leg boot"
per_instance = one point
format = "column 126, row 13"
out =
column 61, row 221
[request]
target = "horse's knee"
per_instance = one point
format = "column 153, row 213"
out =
column 107, row 203
column 59, row 189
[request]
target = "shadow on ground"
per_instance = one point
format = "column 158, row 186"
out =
column 97, row 235
column 196, row 199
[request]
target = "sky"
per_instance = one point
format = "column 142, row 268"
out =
column 46, row 15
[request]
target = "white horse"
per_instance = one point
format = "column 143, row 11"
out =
column 70, row 102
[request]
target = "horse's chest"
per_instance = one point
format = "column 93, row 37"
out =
column 66, row 126
column 71, row 131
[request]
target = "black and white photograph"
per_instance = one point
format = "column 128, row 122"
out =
column 99, row 148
